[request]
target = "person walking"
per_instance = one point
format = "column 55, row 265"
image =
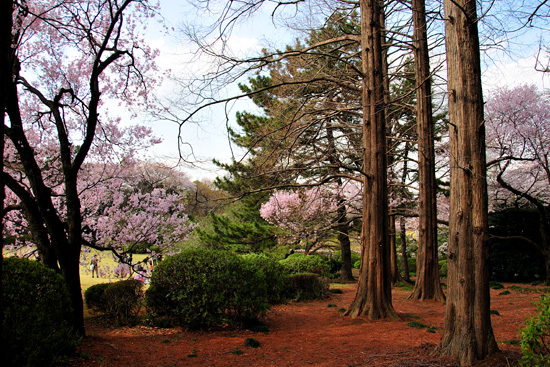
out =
column 94, row 266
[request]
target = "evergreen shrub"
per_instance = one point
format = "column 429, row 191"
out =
column 301, row 263
column 204, row 288
column 36, row 323
column 308, row 286
column 535, row 337
column 94, row 297
column 123, row 300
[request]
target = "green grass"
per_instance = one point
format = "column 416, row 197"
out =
column 106, row 259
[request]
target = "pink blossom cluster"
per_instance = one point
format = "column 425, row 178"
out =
column 308, row 214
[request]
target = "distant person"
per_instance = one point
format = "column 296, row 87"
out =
column 94, row 266
column 154, row 258
column 141, row 275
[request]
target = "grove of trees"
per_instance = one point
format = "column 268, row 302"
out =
column 355, row 130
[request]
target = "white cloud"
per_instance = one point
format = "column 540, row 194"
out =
column 513, row 73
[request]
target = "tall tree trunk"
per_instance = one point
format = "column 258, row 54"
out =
column 467, row 333
column 373, row 297
column 404, row 256
column 428, row 285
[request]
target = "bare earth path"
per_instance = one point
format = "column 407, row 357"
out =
column 309, row 334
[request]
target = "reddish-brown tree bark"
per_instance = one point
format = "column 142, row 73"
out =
column 373, row 297
column 427, row 284
column 467, row 334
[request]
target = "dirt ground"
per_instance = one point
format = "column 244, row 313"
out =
column 310, row 334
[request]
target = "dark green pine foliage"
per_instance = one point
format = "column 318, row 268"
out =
column 241, row 228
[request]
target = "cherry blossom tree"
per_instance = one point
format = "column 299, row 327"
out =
column 71, row 59
column 518, row 148
column 124, row 215
column 308, row 216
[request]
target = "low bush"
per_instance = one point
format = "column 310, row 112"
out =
column 535, row 337
column 308, row 286
column 301, row 263
column 94, row 297
column 203, row 288
column 123, row 300
column 36, row 326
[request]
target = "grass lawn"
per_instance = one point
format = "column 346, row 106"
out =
column 105, row 260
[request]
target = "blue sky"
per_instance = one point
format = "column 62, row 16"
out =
column 207, row 135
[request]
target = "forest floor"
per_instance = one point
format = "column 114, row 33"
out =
column 311, row 333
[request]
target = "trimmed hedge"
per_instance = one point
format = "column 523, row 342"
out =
column 204, row 288
column 36, row 326
column 94, row 297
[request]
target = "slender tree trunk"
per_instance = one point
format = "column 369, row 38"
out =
column 428, row 285
column 343, row 229
column 395, row 276
column 404, row 256
column 467, row 333
column 373, row 297
column 345, row 244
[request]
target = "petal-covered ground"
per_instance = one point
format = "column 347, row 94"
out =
column 310, row 334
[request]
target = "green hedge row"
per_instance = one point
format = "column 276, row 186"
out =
column 204, row 288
